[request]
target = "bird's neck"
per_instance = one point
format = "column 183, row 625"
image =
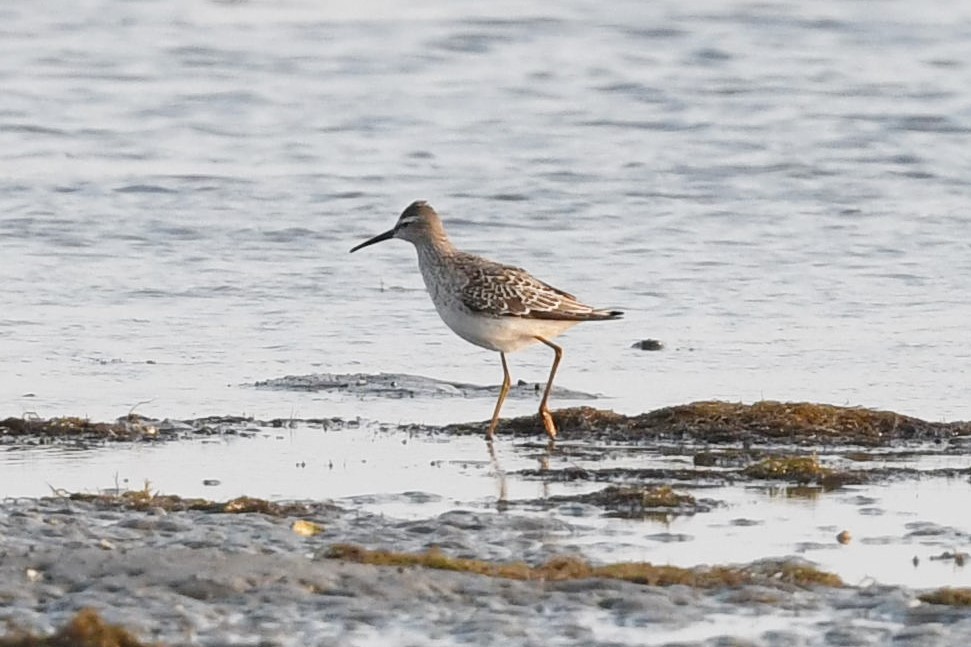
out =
column 435, row 246
column 434, row 261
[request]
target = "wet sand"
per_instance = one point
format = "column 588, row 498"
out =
column 616, row 491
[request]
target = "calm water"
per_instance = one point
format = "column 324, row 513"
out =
column 778, row 191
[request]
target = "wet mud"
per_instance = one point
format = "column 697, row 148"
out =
column 715, row 422
column 565, row 566
column 192, row 577
column 402, row 385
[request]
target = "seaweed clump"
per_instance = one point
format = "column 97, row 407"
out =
column 130, row 427
column 575, row 419
column 630, row 502
column 145, row 499
column 800, row 469
column 795, row 422
column 86, row 629
column 948, row 596
column 572, row 568
column 801, row 423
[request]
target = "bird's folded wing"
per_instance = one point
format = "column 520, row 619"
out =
column 505, row 291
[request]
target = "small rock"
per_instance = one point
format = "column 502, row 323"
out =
column 306, row 528
column 648, row 344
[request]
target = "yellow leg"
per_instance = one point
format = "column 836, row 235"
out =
column 544, row 410
column 503, row 391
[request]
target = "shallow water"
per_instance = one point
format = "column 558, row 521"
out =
column 412, row 476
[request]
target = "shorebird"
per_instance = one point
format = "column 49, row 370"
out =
column 495, row 306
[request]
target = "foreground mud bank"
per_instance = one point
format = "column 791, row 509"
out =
column 206, row 578
column 629, row 530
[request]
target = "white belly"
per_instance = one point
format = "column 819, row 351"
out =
column 503, row 334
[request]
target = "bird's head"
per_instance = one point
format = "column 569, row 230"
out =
column 416, row 224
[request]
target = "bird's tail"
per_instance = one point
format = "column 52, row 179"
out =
column 606, row 315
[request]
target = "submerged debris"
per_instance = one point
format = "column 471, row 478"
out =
column 731, row 458
column 573, row 568
column 958, row 558
column 86, row 629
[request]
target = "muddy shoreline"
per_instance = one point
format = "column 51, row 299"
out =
column 193, row 577
column 188, row 570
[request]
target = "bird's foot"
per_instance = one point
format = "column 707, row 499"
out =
column 491, row 432
column 548, row 423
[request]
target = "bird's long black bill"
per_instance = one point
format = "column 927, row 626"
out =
column 377, row 239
